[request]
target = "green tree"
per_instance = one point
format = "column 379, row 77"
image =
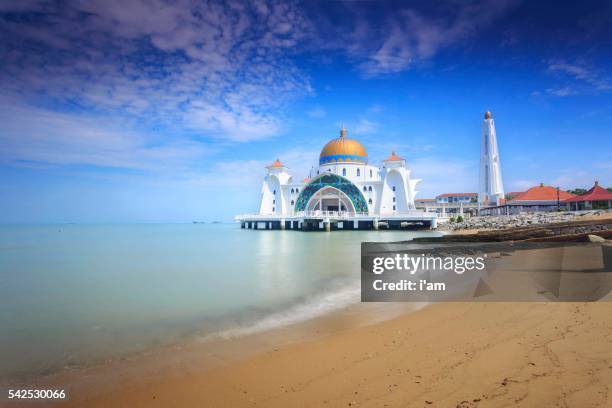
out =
column 459, row 218
column 577, row 191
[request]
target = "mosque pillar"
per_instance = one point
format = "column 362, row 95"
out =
column 355, row 224
column 327, row 224
column 375, row 223
column 282, row 224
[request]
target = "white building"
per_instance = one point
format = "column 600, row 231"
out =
column 491, row 190
column 344, row 191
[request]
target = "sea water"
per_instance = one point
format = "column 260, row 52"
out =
column 75, row 294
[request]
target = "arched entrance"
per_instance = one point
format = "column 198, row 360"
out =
column 354, row 201
column 330, row 199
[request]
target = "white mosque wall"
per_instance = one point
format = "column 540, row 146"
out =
column 279, row 193
column 394, row 197
column 274, row 193
column 356, row 172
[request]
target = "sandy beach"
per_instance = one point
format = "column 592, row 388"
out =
column 447, row 355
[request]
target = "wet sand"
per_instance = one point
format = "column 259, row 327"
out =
column 451, row 354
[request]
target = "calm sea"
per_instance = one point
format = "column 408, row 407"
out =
column 73, row 294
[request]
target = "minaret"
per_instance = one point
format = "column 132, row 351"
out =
column 491, row 189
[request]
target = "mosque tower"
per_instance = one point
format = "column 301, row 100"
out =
column 491, row 187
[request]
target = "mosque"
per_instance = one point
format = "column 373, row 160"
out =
column 346, row 192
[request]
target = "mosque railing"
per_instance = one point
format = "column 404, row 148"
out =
column 340, row 215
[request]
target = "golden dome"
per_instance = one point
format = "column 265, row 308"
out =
column 343, row 149
column 488, row 115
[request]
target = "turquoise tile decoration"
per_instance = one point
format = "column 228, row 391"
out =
column 336, row 181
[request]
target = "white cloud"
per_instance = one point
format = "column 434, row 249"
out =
column 409, row 36
column 582, row 73
column 521, row 185
column 580, row 178
column 67, row 139
column 563, row 91
column 217, row 66
column 444, row 175
column 317, row 112
column 240, row 124
column 241, row 173
column 577, row 77
column 365, row 126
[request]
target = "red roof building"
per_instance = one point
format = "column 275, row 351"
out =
column 537, row 199
column 597, row 198
column 541, row 194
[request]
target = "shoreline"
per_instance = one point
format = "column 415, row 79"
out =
column 213, row 370
column 203, row 354
column 450, row 354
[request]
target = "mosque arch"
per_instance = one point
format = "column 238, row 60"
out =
column 330, row 199
column 339, row 183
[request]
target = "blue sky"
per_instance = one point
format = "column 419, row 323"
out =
column 150, row 111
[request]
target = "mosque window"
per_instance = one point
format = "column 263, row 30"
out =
column 273, row 209
column 273, row 201
column 393, row 188
column 292, row 202
column 393, row 208
column 296, row 191
column 274, row 192
column 344, row 172
column 370, row 173
column 393, row 199
column 317, row 171
column 370, row 201
column 365, row 188
column 292, row 191
column 358, row 172
column 370, row 188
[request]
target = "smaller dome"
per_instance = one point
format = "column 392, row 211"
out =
column 276, row 164
column 394, row 157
